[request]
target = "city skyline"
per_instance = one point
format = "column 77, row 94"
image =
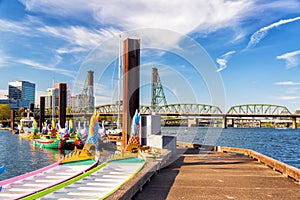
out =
column 252, row 46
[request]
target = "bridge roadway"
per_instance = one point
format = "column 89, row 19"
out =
column 202, row 110
column 224, row 116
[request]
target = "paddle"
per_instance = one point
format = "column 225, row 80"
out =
column 2, row 169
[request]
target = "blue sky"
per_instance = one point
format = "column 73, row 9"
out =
column 252, row 46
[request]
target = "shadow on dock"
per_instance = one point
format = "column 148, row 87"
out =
column 160, row 185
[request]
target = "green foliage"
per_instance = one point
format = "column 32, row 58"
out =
column 4, row 112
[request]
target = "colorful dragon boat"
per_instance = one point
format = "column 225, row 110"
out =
column 68, row 168
column 62, row 180
column 52, row 137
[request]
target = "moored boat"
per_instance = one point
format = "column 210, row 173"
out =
column 48, row 143
column 98, row 183
column 68, row 168
column 36, row 181
column 26, row 126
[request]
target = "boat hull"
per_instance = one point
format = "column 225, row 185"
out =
column 39, row 180
column 48, row 143
column 98, row 183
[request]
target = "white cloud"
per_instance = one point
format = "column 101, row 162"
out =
column 79, row 37
column 39, row 66
column 15, row 27
column 70, row 50
column 174, row 15
column 287, row 83
column 222, row 61
column 3, row 59
column 287, row 98
column 228, row 54
column 222, row 64
column 261, row 33
column 192, row 16
column 290, row 58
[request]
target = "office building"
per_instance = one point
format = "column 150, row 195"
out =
column 22, row 90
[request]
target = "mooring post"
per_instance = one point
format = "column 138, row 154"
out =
column 131, row 85
column 12, row 119
column 62, row 104
column 42, row 113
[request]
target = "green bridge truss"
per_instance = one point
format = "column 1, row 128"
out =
column 258, row 109
column 170, row 109
column 198, row 109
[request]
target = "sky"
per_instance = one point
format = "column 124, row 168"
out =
column 217, row 52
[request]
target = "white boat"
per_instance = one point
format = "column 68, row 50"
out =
column 26, row 125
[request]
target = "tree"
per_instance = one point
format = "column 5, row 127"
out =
column 21, row 111
column 4, row 111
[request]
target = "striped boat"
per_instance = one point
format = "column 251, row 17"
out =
column 36, row 181
column 98, row 183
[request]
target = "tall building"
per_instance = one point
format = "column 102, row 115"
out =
column 52, row 96
column 22, row 90
column 84, row 102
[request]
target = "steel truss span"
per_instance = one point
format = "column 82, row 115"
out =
column 264, row 109
column 171, row 109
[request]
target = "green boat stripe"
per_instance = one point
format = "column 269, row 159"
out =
column 130, row 177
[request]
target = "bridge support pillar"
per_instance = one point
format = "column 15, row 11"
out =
column 294, row 123
column 224, row 122
column 191, row 121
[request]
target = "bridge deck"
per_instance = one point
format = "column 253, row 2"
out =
column 215, row 175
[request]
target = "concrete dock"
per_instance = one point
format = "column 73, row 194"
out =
column 202, row 174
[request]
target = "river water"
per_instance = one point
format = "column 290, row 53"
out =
column 281, row 144
column 20, row 156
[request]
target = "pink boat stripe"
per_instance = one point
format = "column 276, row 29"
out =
column 13, row 179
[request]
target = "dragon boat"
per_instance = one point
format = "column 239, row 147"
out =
column 94, row 182
column 36, row 181
column 56, row 138
column 66, row 169
column 103, row 180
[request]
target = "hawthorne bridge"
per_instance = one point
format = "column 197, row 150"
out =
column 203, row 114
column 195, row 113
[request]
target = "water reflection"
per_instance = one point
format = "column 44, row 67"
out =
column 20, row 156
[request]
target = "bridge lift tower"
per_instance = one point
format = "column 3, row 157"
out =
column 158, row 95
column 87, row 97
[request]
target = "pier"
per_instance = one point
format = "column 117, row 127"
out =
column 206, row 172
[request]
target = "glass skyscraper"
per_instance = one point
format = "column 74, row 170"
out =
column 22, row 90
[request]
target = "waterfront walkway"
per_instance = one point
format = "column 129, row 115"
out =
column 213, row 175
